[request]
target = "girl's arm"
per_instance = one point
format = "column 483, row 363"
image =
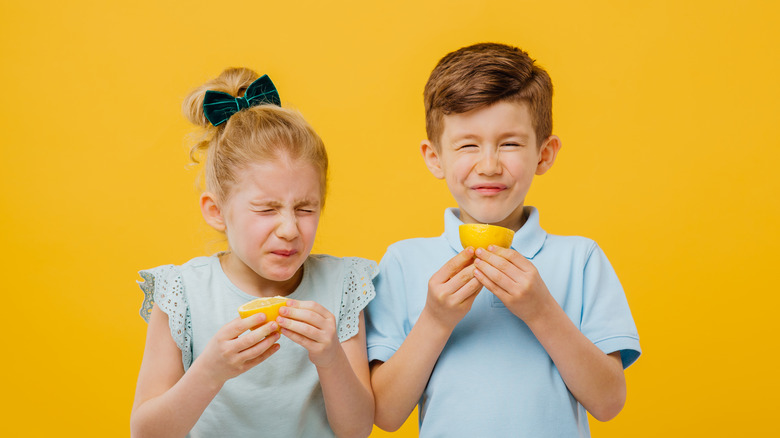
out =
column 168, row 401
column 341, row 367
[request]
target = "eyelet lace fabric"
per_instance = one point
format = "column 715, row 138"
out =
column 163, row 285
column 358, row 292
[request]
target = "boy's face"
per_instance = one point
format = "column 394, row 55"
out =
column 489, row 156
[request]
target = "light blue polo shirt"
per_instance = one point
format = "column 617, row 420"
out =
column 493, row 378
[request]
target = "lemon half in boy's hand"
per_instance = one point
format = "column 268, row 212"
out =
column 483, row 235
column 269, row 306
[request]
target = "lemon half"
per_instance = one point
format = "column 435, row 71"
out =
column 269, row 306
column 483, row 235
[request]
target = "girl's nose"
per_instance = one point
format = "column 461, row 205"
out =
column 287, row 228
column 489, row 162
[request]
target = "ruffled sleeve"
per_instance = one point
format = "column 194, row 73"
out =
column 163, row 286
column 358, row 291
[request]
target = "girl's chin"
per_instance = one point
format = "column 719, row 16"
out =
column 280, row 275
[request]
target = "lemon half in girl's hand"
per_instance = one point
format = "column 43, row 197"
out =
column 269, row 306
column 483, row 235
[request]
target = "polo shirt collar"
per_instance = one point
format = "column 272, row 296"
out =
column 528, row 240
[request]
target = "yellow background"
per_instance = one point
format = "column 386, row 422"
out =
column 668, row 114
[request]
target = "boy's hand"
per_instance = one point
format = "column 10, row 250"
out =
column 513, row 279
column 313, row 327
column 452, row 290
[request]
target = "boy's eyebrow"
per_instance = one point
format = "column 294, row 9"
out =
column 469, row 136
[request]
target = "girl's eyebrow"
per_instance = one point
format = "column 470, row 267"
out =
column 275, row 204
column 265, row 203
column 308, row 203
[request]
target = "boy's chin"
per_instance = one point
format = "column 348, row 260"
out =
column 491, row 217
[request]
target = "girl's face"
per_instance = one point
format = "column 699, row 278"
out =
column 270, row 221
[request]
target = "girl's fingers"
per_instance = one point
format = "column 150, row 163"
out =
column 234, row 328
column 265, row 355
column 309, row 312
column 299, row 339
column 259, row 348
column 255, row 336
column 303, row 328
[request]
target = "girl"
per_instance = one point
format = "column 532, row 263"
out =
column 203, row 373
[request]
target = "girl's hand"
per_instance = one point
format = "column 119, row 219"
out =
column 227, row 354
column 513, row 279
column 452, row 290
column 313, row 327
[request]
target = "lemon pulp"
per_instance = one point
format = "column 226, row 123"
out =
column 269, row 306
column 483, row 235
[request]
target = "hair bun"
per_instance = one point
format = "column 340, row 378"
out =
column 233, row 81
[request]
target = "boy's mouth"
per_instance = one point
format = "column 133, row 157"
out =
column 284, row 252
column 488, row 189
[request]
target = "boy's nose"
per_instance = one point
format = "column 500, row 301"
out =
column 489, row 163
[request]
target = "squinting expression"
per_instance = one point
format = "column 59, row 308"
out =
column 271, row 219
column 488, row 157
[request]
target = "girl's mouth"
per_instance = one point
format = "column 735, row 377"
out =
column 284, row 252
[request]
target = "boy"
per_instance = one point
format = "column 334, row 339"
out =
column 550, row 334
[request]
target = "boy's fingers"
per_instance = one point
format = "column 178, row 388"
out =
column 514, row 257
column 488, row 282
column 503, row 259
column 461, row 278
column 453, row 266
column 468, row 290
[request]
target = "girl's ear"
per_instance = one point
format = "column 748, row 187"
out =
column 211, row 211
column 547, row 154
column 431, row 157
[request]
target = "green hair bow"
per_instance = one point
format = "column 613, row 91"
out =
column 219, row 106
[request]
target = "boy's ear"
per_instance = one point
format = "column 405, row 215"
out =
column 547, row 154
column 211, row 211
column 431, row 157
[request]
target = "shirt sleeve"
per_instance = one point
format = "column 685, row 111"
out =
column 387, row 318
column 358, row 291
column 163, row 286
column 606, row 317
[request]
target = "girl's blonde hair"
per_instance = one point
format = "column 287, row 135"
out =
column 257, row 134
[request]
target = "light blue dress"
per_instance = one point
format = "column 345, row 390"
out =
column 282, row 396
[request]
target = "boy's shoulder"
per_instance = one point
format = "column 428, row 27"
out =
column 418, row 245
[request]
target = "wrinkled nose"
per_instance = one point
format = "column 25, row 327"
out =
column 489, row 163
column 287, row 228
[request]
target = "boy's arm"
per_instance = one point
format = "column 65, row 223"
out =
column 399, row 382
column 595, row 379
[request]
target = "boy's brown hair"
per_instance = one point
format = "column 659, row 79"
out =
column 481, row 75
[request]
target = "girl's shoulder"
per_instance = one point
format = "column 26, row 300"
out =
column 351, row 279
column 329, row 263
